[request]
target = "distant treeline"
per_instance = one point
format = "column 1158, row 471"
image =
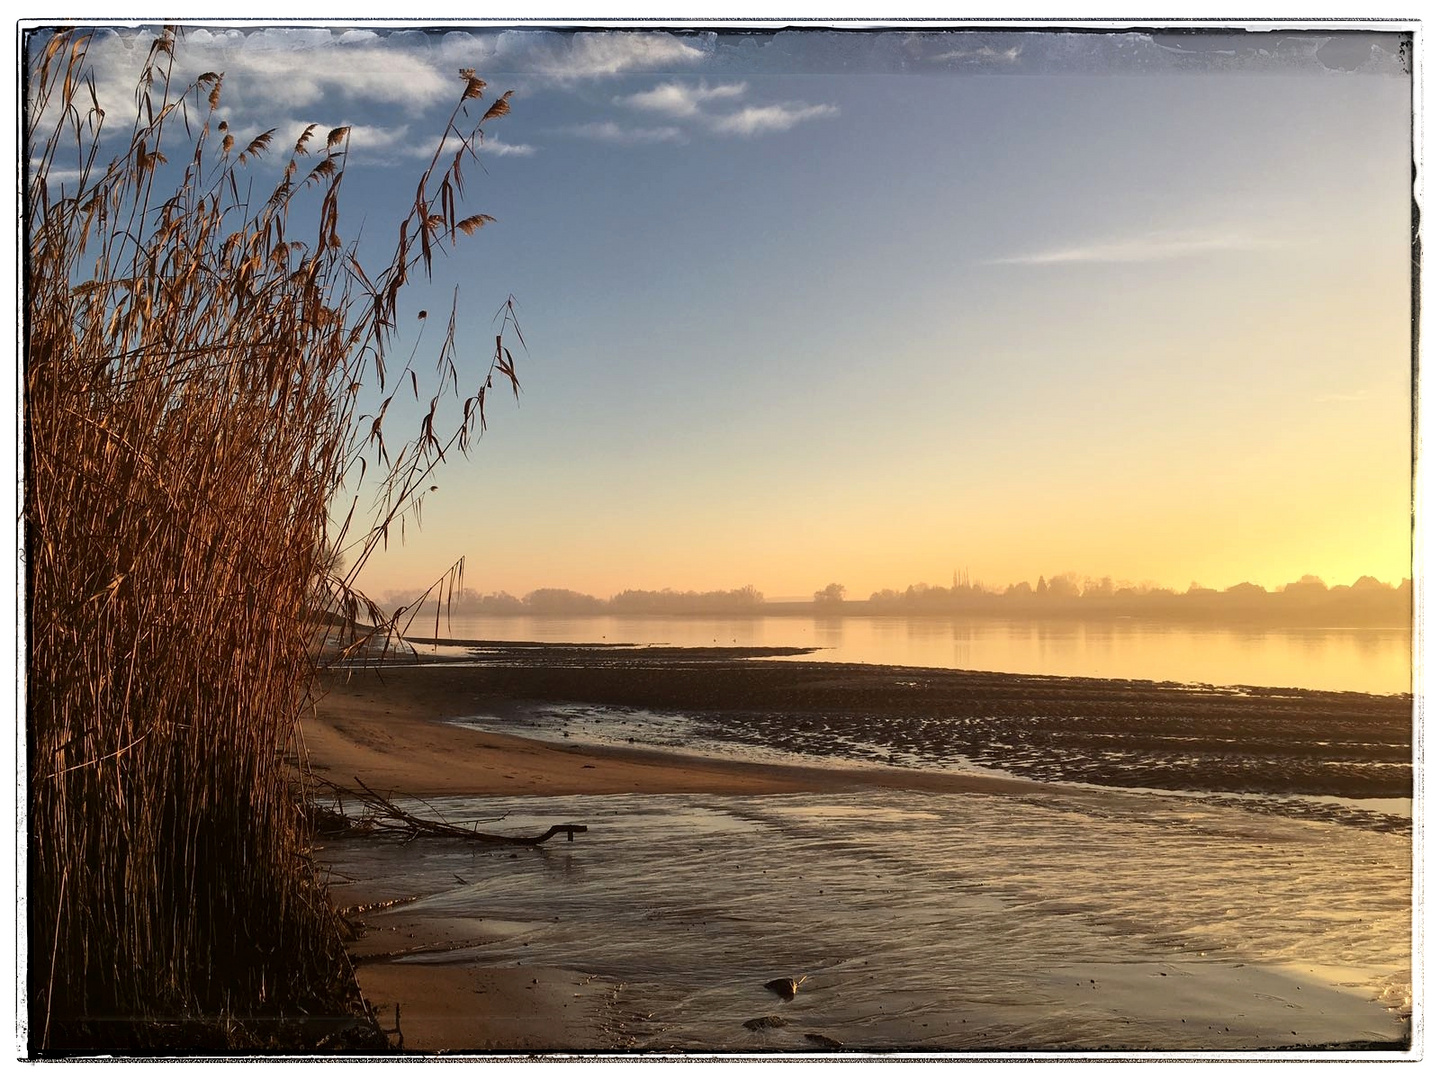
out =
column 1308, row 601
column 747, row 601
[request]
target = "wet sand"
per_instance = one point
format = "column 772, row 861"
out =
column 384, row 730
column 382, row 727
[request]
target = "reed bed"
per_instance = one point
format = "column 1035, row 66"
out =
column 197, row 358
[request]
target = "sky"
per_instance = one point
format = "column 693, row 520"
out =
column 874, row 307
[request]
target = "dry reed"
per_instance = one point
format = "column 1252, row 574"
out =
column 194, row 370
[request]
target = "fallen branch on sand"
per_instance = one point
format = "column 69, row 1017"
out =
column 381, row 817
column 377, row 905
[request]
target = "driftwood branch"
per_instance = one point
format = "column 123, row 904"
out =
column 378, row 905
column 383, row 817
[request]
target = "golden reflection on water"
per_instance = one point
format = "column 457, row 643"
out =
column 1369, row 660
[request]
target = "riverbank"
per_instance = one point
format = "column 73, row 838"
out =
column 484, row 991
column 1124, row 733
column 385, row 729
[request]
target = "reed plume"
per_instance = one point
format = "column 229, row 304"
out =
column 195, row 363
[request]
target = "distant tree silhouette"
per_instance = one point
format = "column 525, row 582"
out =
column 561, row 602
column 499, row 603
column 1063, row 585
column 1246, row 588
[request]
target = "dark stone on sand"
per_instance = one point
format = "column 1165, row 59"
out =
column 787, row 988
column 823, row 1040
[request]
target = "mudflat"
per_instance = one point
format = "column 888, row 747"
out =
column 1122, row 733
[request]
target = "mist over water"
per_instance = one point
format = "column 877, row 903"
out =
column 1368, row 660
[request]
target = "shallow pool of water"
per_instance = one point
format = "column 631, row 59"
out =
column 1068, row 920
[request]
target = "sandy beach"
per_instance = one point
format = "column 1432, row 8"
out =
column 388, row 730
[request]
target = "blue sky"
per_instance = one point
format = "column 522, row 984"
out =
column 871, row 307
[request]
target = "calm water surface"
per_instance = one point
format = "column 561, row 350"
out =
column 1070, row 921
column 1369, row 660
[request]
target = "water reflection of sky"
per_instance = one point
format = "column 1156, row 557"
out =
column 1370, row 660
column 1077, row 919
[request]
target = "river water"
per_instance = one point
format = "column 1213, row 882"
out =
column 1369, row 660
column 1076, row 918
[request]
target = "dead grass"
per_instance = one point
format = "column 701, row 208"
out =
column 195, row 363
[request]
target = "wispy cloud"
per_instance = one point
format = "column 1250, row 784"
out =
column 271, row 70
column 611, row 132
column 375, row 139
column 685, row 102
column 983, row 54
column 332, row 73
column 55, row 177
column 286, row 78
column 488, row 146
column 504, row 149
column 593, row 55
column 1148, row 247
column 270, row 67
column 763, row 119
column 371, row 142
column 680, row 100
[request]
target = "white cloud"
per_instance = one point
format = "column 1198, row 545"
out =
column 982, row 55
column 678, row 99
column 592, row 55
column 368, row 139
column 274, row 75
column 350, row 37
column 683, row 102
column 487, row 146
column 763, row 119
column 56, row 177
column 272, row 70
column 286, row 78
column 609, row 131
column 259, row 75
column 504, row 149
column 1150, row 247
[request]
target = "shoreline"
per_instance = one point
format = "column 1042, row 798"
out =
column 390, row 733
column 386, row 729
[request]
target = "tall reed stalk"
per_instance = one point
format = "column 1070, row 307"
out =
column 194, row 369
